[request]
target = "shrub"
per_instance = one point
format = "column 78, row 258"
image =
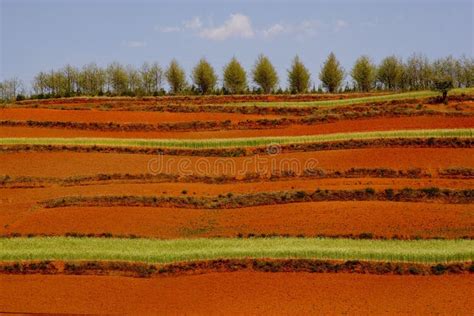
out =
column 366, row 236
column 389, row 194
column 414, row 270
column 370, row 191
column 431, row 192
column 301, row 195
column 438, row 269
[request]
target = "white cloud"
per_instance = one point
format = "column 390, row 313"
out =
column 340, row 24
column 273, row 30
column 306, row 28
column 193, row 24
column 168, row 29
column 134, row 44
column 238, row 25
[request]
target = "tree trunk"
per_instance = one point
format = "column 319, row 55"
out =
column 445, row 96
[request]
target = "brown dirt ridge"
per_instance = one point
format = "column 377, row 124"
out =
column 232, row 265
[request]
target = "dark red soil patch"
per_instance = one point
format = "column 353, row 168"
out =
column 376, row 124
column 387, row 219
column 63, row 164
column 239, row 293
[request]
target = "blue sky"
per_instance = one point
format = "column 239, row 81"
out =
column 42, row 35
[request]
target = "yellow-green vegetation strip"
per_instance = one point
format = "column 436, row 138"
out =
column 353, row 101
column 239, row 142
column 168, row 251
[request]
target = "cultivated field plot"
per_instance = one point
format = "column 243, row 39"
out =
column 369, row 193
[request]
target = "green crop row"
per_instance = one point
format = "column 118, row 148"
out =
column 168, row 251
column 352, row 101
column 239, row 142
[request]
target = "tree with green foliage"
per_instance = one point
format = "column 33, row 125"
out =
column 264, row 74
column 92, row 80
column 445, row 72
column 466, row 75
column 204, row 77
column 39, row 84
column 117, row 78
column 298, row 77
column 235, row 77
column 363, row 73
column 135, row 83
column 331, row 74
column 176, row 77
column 70, row 81
column 442, row 84
column 416, row 73
column 151, row 78
column 447, row 67
column 390, row 73
column 53, row 82
column 10, row 89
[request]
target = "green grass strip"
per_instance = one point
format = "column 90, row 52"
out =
column 238, row 142
column 353, row 101
column 167, row 251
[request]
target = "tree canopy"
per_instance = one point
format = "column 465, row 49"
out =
column 331, row 74
column 264, row 74
column 363, row 73
column 204, row 76
column 298, row 77
column 176, row 77
column 235, row 77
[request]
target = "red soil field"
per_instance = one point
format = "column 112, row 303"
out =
column 22, row 199
column 376, row 124
column 405, row 219
column 23, row 114
column 239, row 293
column 204, row 189
column 64, row 164
column 17, row 204
column 243, row 292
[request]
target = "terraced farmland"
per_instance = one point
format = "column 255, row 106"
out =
column 224, row 196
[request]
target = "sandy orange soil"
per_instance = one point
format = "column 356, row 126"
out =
column 376, row 124
column 63, row 164
column 386, row 219
column 240, row 293
column 22, row 114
